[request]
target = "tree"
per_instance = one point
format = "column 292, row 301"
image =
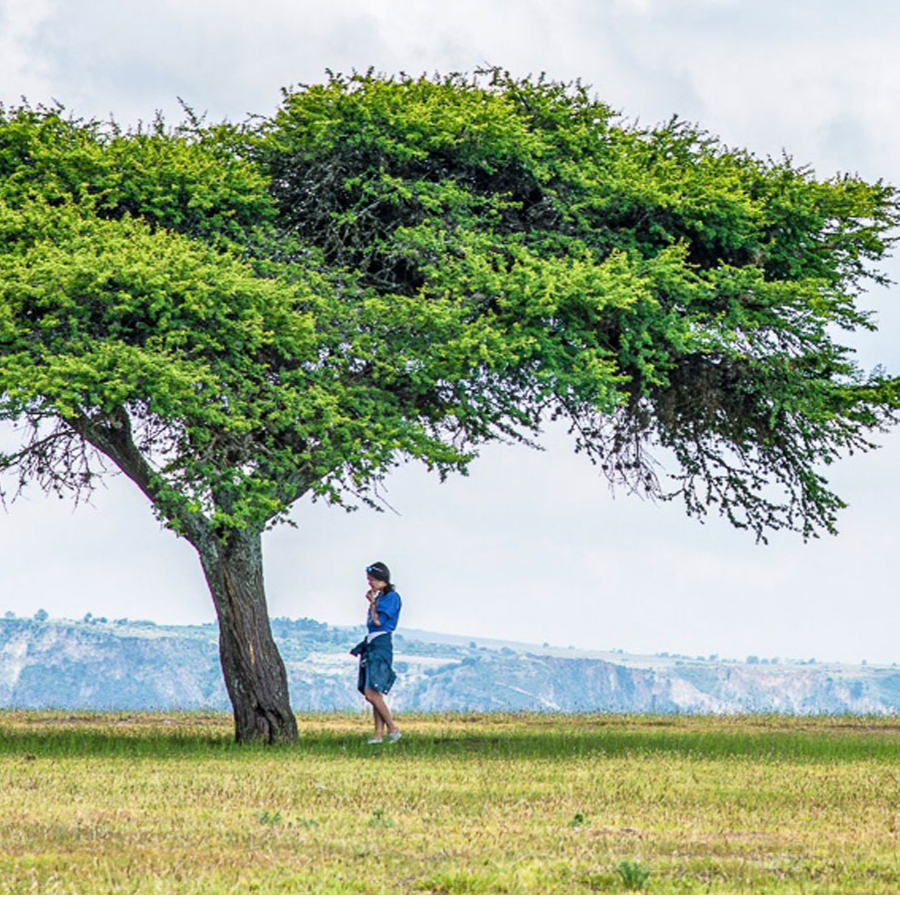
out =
column 396, row 268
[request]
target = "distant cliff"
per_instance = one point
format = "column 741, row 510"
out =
column 139, row 665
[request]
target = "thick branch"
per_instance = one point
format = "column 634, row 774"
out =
column 113, row 438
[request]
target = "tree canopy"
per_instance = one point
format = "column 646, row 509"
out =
column 394, row 268
column 646, row 285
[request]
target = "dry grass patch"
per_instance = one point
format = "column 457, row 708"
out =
column 166, row 803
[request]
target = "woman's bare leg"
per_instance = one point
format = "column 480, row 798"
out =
column 376, row 698
column 377, row 717
column 379, row 721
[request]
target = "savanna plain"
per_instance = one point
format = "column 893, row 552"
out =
column 167, row 803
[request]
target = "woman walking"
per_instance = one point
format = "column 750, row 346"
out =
column 376, row 652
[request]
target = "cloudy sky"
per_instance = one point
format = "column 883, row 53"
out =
column 531, row 546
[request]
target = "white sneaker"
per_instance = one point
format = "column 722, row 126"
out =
column 375, row 740
column 393, row 738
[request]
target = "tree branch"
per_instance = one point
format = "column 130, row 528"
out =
column 114, row 439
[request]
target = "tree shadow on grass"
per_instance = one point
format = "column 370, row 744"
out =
column 715, row 741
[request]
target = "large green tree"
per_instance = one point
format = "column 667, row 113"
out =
column 397, row 268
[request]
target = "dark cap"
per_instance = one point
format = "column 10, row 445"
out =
column 380, row 571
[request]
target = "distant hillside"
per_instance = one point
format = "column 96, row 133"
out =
column 98, row 664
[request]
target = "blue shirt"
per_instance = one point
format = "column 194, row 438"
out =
column 388, row 607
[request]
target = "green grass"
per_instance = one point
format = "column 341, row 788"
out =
column 167, row 803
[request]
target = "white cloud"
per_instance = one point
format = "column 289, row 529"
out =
column 647, row 8
column 22, row 70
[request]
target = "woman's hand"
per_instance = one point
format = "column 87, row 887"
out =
column 371, row 594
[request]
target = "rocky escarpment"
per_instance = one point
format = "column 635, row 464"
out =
column 138, row 665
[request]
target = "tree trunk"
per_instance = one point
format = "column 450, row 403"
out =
column 255, row 676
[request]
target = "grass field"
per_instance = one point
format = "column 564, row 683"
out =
column 166, row 803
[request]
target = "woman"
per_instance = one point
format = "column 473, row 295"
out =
column 376, row 652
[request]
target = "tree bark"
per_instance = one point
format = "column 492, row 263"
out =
column 255, row 676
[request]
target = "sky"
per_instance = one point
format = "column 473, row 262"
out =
column 531, row 546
